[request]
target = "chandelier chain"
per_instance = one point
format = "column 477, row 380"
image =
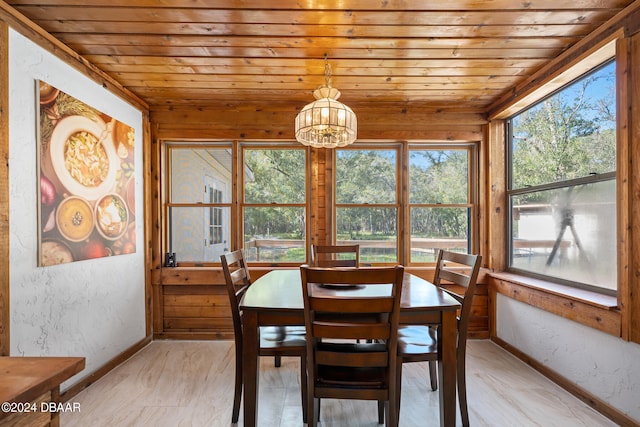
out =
column 327, row 71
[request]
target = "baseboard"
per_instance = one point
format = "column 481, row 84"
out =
column 198, row 336
column 595, row 402
column 105, row 369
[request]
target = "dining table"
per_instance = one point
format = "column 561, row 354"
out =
column 275, row 299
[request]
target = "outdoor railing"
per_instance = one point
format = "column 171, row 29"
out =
column 417, row 244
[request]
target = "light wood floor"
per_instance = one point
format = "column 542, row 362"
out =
column 190, row 383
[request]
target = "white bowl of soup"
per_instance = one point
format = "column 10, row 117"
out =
column 83, row 156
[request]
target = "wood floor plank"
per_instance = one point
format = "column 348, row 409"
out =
column 190, row 383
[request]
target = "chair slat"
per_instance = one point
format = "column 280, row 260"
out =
column 337, row 330
column 354, row 360
column 351, row 305
column 332, row 255
column 453, row 276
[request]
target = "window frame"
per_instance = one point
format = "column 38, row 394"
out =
column 397, row 205
column 472, row 194
column 168, row 146
column 402, row 192
column 510, row 192
column 242, row 205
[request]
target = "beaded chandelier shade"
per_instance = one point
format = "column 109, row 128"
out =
column 326, row 122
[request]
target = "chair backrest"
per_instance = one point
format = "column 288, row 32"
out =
column 457, row 271
column 335, row 255
column 238, row 280
column 367, row 308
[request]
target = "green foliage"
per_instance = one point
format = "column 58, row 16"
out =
column 366, row 176
column 567, row 136
column 276, row 176
column 439, row 176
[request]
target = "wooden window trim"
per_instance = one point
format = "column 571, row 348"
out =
column 592, row 309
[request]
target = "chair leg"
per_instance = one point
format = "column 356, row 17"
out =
column 393, row 416
column 433, row 367
column 462, row 386
column 277, row 361
column 303, row 387
column 397, row 395
column 433, row 374
column 237, row 395
column 381, row 406
column 314, row 411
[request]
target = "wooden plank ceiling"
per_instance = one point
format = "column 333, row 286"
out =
column 453, row 53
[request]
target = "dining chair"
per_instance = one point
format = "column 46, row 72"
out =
column 342, row 305
column 274, row 341
column 335, row 255
column 456, row 273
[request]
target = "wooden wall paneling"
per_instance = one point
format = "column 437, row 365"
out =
column 314, row 186
column 197, row 309
column 497, row 201
column 272, row 121
column 632, row 292
column 496, row 210
column 328, row 197
column 624, row 184
column 483, row 185
column 153, row 196
column 5, row 312
column 194, row 304
column 150, row 256
column 236, row 198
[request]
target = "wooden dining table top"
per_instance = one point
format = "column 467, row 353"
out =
column 281, row 290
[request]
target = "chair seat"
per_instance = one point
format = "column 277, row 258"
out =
column 277, row 337
column 417, row 340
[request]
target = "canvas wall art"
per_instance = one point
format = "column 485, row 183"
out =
column 86, row 183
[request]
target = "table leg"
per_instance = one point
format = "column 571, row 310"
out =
column 250, row 367
column 447, row 339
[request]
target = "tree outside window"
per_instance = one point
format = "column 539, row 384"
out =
column 367, row 202
column 274, row 207
column 439, row 201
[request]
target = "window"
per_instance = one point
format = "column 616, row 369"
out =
column 274, row 204
column 367, row 202
column 439, row 201
column 199, row 202
column 216, row 223
column 562, row 189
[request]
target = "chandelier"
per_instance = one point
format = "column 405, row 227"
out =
column 326, row 122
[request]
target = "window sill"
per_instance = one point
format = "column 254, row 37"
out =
column 588, row 308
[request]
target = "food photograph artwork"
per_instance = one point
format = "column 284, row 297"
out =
column 86, row 182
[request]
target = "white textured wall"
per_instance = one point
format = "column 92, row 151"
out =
column 605, row 366
column 92, row 308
